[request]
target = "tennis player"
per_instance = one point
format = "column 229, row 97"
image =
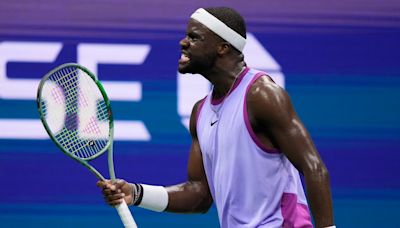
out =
column 248, row 144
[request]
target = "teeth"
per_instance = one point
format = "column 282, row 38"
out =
column 184, row 57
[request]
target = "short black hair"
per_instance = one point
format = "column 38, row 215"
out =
column 230, row 17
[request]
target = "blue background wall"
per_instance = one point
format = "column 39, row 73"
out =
column 341, row 68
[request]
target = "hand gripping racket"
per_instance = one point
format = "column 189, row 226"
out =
column 76, row 113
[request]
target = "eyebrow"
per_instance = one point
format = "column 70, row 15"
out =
column 195, row 34
column 192, row 33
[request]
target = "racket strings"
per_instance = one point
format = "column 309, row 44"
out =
column 85, row 115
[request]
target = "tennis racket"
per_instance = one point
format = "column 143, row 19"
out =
column 76, row 113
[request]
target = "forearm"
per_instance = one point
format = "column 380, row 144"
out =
column 319, row 197
column 189, row 197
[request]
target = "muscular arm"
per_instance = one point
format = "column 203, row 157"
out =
column 194, row 195
column 272, row 114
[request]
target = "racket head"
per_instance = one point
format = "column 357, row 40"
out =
column 75, row 111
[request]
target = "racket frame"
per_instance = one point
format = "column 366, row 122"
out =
column 108, row 146
column 122, row 208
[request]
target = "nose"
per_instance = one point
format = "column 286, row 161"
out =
column 184, row 42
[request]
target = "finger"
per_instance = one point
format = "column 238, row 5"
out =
column 116, row 202
column 104, row 183
column 109, row 185
column 101, row 184
column 119, row 183
column 115, row 198
column 107, row 192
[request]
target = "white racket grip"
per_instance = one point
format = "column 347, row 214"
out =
column 126, row 215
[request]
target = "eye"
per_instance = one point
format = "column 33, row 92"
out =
column 192, row 37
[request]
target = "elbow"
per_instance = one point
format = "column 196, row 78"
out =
column 323, row 175
column 203, row 197
column 205, row 206
column 204, row 203
column 318, row 172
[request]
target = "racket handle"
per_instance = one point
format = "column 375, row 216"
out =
column 126, row 215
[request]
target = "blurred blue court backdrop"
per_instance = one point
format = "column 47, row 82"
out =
column 339, row 61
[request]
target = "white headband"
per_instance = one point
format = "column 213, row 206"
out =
column 219, row 28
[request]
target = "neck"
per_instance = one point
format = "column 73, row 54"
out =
column 223, row 80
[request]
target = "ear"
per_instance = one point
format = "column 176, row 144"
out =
column 223, row 48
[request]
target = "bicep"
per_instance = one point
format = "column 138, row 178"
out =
column 293, row 139
column 274, row 112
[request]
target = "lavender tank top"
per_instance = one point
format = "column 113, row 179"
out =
column 252, row 186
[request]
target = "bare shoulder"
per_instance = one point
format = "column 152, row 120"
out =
column 268, row 101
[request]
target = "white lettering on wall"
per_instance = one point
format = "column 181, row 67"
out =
column 89, row 55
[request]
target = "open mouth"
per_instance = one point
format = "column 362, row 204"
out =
column 184, row 58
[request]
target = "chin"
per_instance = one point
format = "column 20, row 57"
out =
column 181, row 70
column 185, row 69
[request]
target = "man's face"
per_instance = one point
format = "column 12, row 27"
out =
column 198, row 49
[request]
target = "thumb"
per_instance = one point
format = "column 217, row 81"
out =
column 103, row 183
column 119, row 183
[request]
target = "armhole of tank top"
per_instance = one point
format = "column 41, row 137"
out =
column 249, row 128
